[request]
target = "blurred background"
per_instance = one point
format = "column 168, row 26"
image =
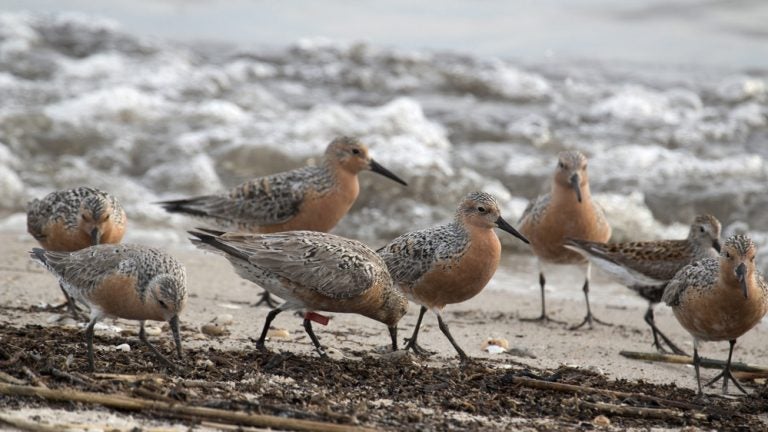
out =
column 155, row 100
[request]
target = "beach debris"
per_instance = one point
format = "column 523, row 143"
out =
column 214, row 329
column 123, row 347
column 601, row 420
column 495, row 345
column 278, row 333
column 219, row 326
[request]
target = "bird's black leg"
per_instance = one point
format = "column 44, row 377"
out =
column 411, row 343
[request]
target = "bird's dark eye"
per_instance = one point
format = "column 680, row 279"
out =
column 560, row 165
column 83, row 216
column 356, row 151
column 162, row 304
column 701, row 229
column 727, row 255
column 481, row 209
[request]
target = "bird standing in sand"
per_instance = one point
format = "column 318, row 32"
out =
column 310, row 198
column 646, row 267
column 448, row 263
column 719, row 299
column 74, row 219
column 312, row 271
column 568, row 211
column 122, row 281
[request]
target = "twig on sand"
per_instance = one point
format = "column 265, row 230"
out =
column 680, row 359
column 746, row 376
column 156, row 378
column 33, row 377
column 82, row 380
column 570, row 388
column 641, row 412
column 11, row 379
column 177, row 409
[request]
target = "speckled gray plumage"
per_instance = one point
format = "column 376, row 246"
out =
column 272, row 199
column 330, row 265
column 65, row 206
column 82, row 271
column 703, row 275
column 411, row 255
column 657, row 260
column 266, row 200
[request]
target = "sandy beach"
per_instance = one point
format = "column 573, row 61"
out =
column 215, row 290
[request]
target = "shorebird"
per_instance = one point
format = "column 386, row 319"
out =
column 449, row 263
column 312, row 271
column 566, row 212
column 311, row 198
column 718, row 299
column 123, row 281
column 74, row 219
column 646, row 267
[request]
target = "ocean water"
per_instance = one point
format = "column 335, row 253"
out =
column 84, row 101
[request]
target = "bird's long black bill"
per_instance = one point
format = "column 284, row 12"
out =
column 95, row 236
column 377, row 168
column 575, row 184
column 741, row 276
column 505, row 226
column 174, row 323
column 716, row 245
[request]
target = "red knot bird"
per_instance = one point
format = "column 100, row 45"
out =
column 122, row 281
column 74, row 219
column 568, row 211
column 450, row 263
column 312, row 271
column 718, row 299
column 646, row 267
column 312, row 198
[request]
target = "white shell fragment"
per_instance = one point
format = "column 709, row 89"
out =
column 495, row 345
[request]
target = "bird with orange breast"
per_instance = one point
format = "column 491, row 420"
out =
column 449, row 263
column 718, row 299
column 74, row 219
column 122, row 281
column 567, row 211
column 312, row 198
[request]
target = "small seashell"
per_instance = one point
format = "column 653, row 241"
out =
column 495, row 345
column 123, row 347
column 213, row 330
column 601, row 420
column 494, row 349
column 278, row 334
column 207, row 364
column 152, row 331
column 68, row 322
